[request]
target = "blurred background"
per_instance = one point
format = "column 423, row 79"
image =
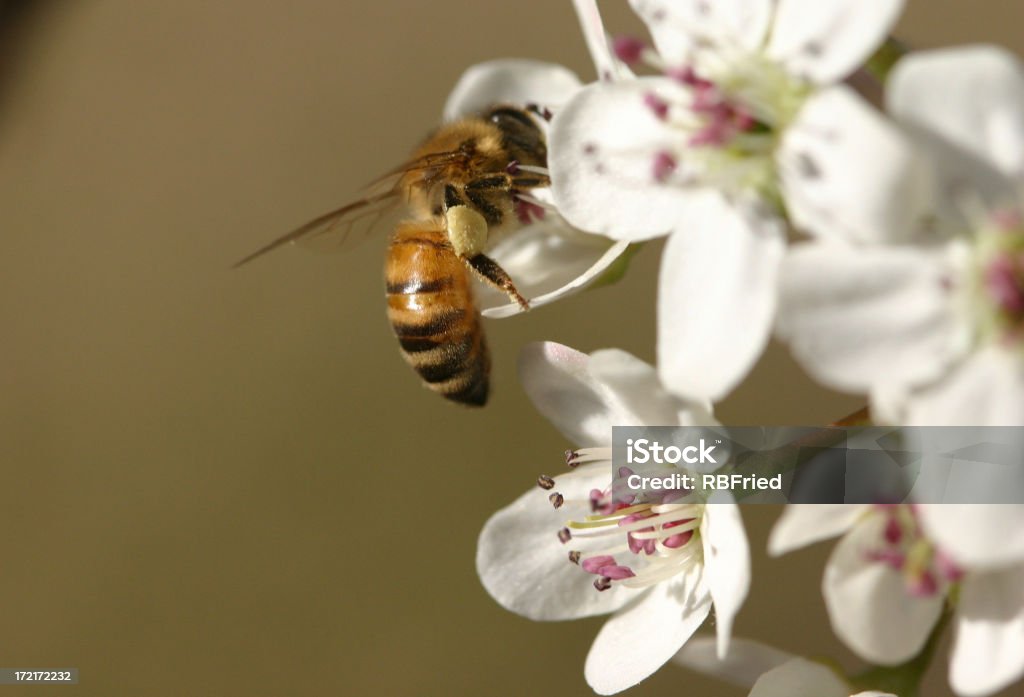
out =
column 226, row 482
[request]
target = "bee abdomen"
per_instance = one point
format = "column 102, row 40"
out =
column 431, row 308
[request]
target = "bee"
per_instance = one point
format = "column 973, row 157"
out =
column 469, row 181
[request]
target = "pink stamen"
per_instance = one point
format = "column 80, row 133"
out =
column 1004, row 279
column 594, row 565
column 890, row 557
column 686, row 76
column 528, row 212
column 657, row 105
column 628, row 49
column 924, row 585
column 893, row 531
column 663, row 166
column 947, row 567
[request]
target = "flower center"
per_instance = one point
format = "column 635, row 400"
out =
column 999, row 279
column 730, row 114
column 926, row 570
column 637, row 543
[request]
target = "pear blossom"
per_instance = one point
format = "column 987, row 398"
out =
column 568, row 550
column 897, row 567
column 927, row 318
column 546, row 257
column 718, row 151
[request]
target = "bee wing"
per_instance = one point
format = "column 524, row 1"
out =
column 337, row 229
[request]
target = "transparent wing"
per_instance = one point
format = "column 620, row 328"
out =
column 345, row 227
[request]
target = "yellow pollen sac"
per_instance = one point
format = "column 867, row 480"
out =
column 467, row 230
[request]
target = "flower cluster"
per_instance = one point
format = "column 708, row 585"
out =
column 882, row 240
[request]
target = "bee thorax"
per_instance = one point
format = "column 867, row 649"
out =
column 467, row 231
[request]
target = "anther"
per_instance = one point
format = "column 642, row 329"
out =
column 574, row 556
column 564, row 535
column 570, row 458
column 603, row 583
column 512, row 167
column 664, row 164
column 545, row 482
column 657, row 105
column 628, row 49
column 556, row 500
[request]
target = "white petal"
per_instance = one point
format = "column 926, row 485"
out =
column 726, row 565
column 850, row 174
column 510, row 81
column 525, row 567
column 557, row 379
column 678, row 25
column 634, row 393
column 860, row 317
column 826, row 41
column 608, row 66
column 745, row 662
column 640, row 638
column 867, row 601
column 988, row 652
column 584, row 397
column 975, row 535
column 987, row 389
column 802, row 524
column 548, row 261
column 972, row 96
column 716, row 298
column 800, row 678
column 601, row 154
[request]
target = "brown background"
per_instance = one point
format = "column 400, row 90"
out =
column 227, row 482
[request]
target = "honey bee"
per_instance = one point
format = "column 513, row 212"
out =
column 467, row 182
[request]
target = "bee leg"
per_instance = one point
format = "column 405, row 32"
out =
column 489, row 271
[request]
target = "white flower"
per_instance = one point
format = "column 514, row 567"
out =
column 546, row 257
column 896, row 567
column 929, row 320
column 659, row 567
column 713, row 152
column 800, row 677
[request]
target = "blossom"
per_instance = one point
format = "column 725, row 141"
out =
column 546, row 257
column 715, row 152
column 896, row 567
column 928, row 316
column 658, row 567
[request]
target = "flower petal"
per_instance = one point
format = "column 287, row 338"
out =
column 510, row 81
column 525, row 567
column 987, row 389
column 848, row 173
column 745, row 662
column 678, row 26
column 601, row 154
column 800, row 678
column 867, row 601
column 879, row 315
column 826, row 41
column 972, row 96
column 802, row 524
column 975, row 535
column 726, row 564
column 988, row 652
column 548, row 262
column 607, row 65
column 584, row 396
column 716, row 298
column 641, row 637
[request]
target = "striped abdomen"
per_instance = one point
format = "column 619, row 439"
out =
column 431, row 308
